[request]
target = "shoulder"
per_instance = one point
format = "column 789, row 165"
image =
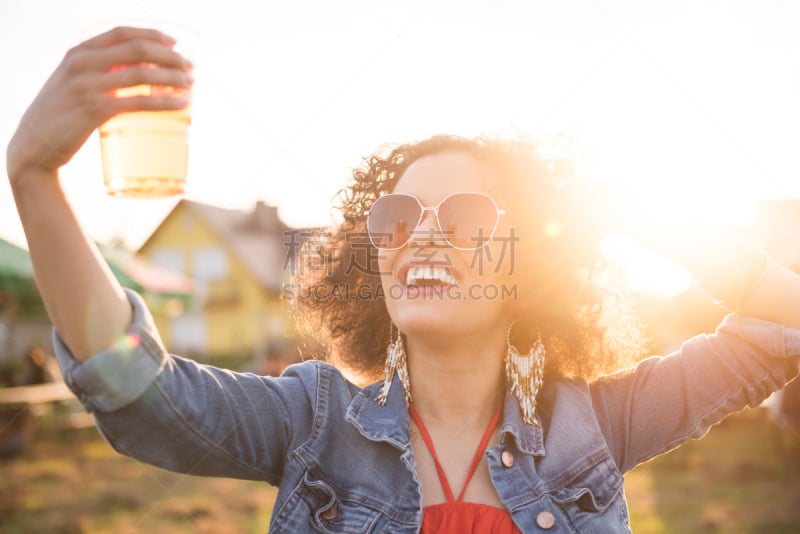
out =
column 321, row 378
column 562, row 388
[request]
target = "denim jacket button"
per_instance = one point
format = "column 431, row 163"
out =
column 330, row 513
column 545, row 520
column 507, row 457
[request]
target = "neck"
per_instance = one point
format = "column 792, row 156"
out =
column 459, row 383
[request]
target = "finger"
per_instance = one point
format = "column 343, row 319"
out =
column 130, row 53
column 121, row 34
column 144, row 75
column 150, row 103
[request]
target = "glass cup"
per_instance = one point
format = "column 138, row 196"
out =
column 145, row 153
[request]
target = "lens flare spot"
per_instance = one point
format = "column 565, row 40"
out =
column 552, row 228
column 127, row 343
column 134, row 341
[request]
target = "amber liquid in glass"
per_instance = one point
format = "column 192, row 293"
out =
column 145, row 153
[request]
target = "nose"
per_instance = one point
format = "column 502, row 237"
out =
column 427, row 231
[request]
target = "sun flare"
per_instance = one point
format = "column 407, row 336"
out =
column 645, row 271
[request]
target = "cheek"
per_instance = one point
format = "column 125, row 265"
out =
column 496, row 261
column 386, row 264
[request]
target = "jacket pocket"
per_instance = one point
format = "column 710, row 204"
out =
column 591, row 498
column 592, row 485
column 316, row 506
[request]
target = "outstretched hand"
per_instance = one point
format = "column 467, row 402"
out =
column 80, row 95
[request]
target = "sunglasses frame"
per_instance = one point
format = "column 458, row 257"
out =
column 435, row 210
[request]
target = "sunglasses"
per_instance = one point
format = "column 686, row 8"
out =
column 467, row 221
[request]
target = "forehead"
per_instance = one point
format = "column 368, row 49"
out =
column 432, row 178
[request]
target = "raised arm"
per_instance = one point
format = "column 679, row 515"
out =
column 82, row 297
column 666, row 400
column 734, row 271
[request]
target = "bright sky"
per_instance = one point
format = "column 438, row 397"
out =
column 692, row 99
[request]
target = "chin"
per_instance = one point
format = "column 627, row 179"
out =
column 424, row 318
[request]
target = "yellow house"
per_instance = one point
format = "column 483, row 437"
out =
column 236, row 261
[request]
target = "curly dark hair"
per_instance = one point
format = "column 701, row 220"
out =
column 567, row 292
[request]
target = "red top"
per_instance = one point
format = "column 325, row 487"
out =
column 455, row 515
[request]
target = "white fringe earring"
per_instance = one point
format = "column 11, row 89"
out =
column 395, row 363
column 525, row 374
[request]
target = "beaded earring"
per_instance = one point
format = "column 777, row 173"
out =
column 525, row 374
column 395, row 363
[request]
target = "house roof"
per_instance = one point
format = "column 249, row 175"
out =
column 15, row 261
column 157, row 279
column 140, row 275
column 255, row 237
column 16, row 272
column 16, row 269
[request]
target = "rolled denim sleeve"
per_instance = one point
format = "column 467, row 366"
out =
column 116, row 377
column 188, row 417
column 664, row 401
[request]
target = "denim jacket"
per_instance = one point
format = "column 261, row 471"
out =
column 330, row 447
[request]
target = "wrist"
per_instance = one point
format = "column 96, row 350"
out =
column 28, row 182
column 18, row 167
column 23, row 164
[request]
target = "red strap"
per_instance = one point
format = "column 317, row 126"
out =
column 482, row 447
column 426, row 437
column 448, row 493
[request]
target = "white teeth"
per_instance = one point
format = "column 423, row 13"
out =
column 429, row 272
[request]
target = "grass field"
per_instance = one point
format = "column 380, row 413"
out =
column 743, row 477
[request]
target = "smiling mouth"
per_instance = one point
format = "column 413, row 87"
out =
column 429, row 276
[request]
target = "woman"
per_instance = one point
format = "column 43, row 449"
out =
column 465, row 259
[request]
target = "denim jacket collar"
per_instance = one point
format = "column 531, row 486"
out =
column 529, row 438
column 381, row 423
column 390, row 422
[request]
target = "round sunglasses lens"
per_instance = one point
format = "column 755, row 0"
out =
column 391, row 220
column 468, row 219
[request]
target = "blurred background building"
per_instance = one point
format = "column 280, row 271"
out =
column 236, row 260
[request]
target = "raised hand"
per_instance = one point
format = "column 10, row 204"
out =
column 81, row 94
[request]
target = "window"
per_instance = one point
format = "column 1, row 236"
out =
column 209, row 263
column 169, row 258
